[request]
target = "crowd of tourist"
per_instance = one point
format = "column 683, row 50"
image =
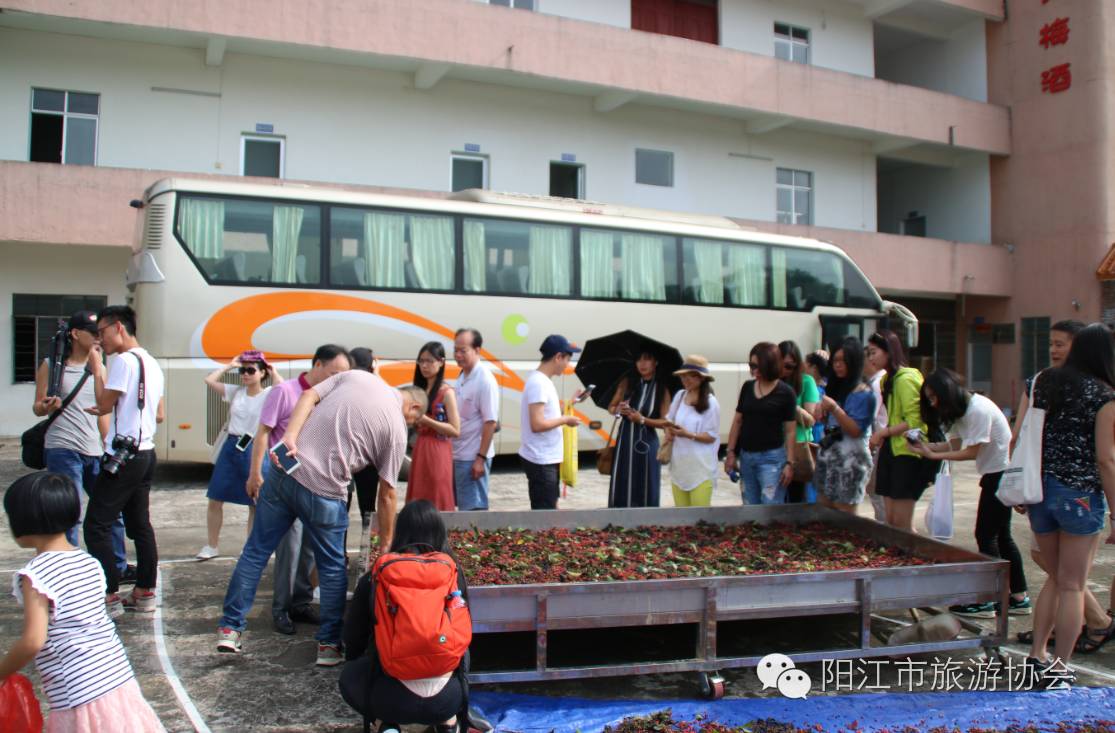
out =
column 835, row 426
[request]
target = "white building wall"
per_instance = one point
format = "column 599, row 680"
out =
column 47, row 270
column 610, row 12
column 840, row 37
column 956, row 66
column 956, row 201
column 352, row 125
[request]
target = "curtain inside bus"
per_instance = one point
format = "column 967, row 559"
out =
column 778, row 276
column 476, row 271
column 551, row 251
column 597, row 269
column 747, row 275
column 708, row 256
column 643, row 276
column 286, row 226
column 432, row 251
column 385, row 250
column 201, row 223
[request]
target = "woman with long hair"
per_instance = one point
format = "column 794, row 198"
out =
column 695, row 432
column 902, row 476
column 365, row 686
column 808, row 396
column 641, row 402
column 844, row 461
column 431, row 463
column 234, row 461
column 1078, row 479
column 763, row 430
column 977, row 431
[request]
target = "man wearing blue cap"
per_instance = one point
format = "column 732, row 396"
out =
column 540, row 448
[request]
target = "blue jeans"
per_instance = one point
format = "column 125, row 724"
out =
column 471, row 493
column 759, row 472
column 83, row 471
column 282, row 500
column 1067, row 509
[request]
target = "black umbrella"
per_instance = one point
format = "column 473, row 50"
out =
column 608, row 359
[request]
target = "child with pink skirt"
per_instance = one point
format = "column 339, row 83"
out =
column 85, row 672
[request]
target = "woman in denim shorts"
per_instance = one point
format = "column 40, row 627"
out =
column 1078, row 467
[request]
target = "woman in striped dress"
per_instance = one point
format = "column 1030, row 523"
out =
column 640, row 403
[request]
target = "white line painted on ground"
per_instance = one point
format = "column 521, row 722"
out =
column 168, row 668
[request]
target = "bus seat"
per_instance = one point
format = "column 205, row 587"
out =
column 348, row 272
column 231, row 268
column 508, row 279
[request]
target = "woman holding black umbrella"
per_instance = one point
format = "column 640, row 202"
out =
column 640, row 402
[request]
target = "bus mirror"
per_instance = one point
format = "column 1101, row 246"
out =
column 909, row 321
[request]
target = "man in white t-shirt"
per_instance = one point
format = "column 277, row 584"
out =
column 540, row 448
column 131, row 390
column 478, row 405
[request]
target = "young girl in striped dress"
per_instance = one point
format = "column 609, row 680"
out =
column 85, row 672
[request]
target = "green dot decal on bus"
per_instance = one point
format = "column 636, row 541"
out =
column 515, row 329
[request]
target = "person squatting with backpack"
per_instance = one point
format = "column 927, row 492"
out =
column 408, row 630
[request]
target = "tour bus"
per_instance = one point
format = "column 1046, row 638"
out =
column 222, row 266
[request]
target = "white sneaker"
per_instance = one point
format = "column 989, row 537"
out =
column 208, row 553
column 114, row 606
column 228, row 641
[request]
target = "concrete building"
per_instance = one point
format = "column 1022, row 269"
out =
column 944, row 145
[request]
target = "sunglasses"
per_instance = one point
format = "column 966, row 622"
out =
column 754, row 365
column 248, row 370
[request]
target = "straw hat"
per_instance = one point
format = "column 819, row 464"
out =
column 695, row 364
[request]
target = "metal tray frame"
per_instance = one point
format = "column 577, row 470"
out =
column 957, row 576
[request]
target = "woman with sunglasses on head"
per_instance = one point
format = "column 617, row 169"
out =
column 902, row 476
column 233, row 464
column 808, row 396
column 431, row 462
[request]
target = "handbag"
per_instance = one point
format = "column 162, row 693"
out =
column 804, row 462
column 1021, row 482
column 19, row 709
column 666, row 452
column 568, row 472
column 33, row 441
column 938, row 515
column 607, row 454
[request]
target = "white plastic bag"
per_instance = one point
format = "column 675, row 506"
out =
column 1021, row 482
column 938, row 515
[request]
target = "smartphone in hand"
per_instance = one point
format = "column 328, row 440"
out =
column 586, row 393
column 287, row 462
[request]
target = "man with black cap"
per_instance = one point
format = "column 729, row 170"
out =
column 75, row 439
column 540, row 448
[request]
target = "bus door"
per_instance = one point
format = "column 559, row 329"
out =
column 835, row 328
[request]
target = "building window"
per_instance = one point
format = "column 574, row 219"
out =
column 654, row 167
column 791, row 43
column 519, row 4
column 64, row 127
column 35, row 319
column 262, row 156
column 1035, row 345
column 567, row 180
column 469, row 171
column 794, row 196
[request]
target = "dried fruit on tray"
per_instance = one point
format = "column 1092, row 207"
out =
column 513, row 556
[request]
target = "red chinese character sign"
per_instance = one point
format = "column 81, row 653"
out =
column 1055, row 33
column 1056, row 79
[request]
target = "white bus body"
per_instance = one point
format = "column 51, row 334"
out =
column 223, row 266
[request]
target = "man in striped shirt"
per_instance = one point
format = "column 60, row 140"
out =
column 345, row 423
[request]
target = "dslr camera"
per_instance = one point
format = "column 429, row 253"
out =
column 124, row 449
column 831, row 436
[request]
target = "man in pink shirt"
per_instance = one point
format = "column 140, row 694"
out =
column 345, row 423
column 293, row 593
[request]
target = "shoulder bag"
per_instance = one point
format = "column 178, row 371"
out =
column 33, row 441
column 606, row 455
column 1021, row 482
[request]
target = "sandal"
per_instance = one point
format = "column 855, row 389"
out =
column 1027, row 637
column 1092, row 640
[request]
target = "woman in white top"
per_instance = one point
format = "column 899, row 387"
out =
column 977, row 431
column 233, row 464
column 694, row 429
column 85, row 672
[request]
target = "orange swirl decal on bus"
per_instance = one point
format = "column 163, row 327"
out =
column 231, row 327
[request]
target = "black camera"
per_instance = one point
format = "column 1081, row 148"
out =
column 124, row 449
column 831, row 436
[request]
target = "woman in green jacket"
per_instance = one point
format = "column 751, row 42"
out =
column 902, row 476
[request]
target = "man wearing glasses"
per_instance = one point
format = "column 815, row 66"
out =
column 131, row 390
column 478, row 404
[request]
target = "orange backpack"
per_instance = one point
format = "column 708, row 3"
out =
column 419, row 632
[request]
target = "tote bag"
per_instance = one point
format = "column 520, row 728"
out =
column 569, row 450
column 1021, row 482
column 938, row 515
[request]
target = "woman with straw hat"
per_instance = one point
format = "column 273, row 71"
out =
column 694, row 431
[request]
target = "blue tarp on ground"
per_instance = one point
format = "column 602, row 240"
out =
column 872, row 712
